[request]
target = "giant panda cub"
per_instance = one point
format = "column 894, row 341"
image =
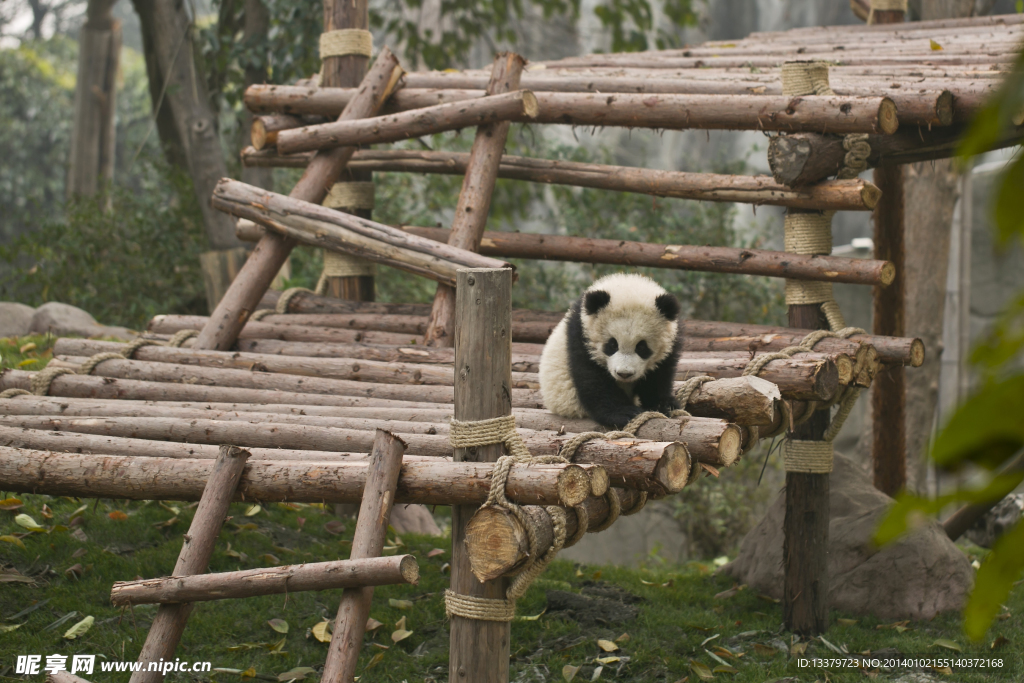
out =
column 614, row 354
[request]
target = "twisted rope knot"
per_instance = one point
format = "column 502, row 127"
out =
column 346, row 41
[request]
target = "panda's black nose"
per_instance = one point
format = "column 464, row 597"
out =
column 625, row 374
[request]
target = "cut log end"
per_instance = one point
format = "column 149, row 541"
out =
column 599, row 481
column 826, row 381
column 259, row 136
column 916, row 353
column 410, row 569
column 573, row 485
column 494, row 543
column 870, row 194
column 888, row 273
column 530, row 106
column 730, row 445
column 888, row 122
column 673, row 471
column 844, row 368
column 944, row 108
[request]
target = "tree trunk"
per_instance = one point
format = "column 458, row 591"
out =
column 257, row 23
column 93, row 137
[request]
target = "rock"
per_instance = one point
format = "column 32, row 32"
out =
column 67, row 320
column 414, row 519
column 1000, row 518
column 916, row 577
column 15, row 319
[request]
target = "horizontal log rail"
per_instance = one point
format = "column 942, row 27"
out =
column 708, row 259
column 836, row 195
column 427, row 481
column 248, row 583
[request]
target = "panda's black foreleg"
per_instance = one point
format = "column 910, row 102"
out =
column 656, row 390
column 603, row 400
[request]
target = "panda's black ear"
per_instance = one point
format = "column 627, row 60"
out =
column 595, row 301
column 667, row 306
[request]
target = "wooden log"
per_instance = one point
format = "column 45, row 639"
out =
column 891, row 350
column 479, row 650
column 169, row 324
column 805, row 158
column 474, row 205
column 633, row 463
column 918, row 107
column 888, row 393
column 264, row 129
column 320, row 226
column 520, row 105
column 427, row 481
column 315, row 576
column 270, row 254
column 676, row 256
column 497, row 543
column 371, row 533
column 194, row 558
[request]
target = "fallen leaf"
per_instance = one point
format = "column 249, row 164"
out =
column 372, row 624
column 78, row 511
column 435, row 552
column 322, row 631
column 569, row 672
column 277, row 648
column 380, row 646
column 374, row 661
column 173, row 509
column 948, row 644
column 79, row 535
column 80, row 628
column 46, row 512
column 798, row 648
column 400, row 635
column 78, row 553
column 12, row 539
column 334, row 527
column 535, row 617
column 27, row 522
column 279, row 625
column 847, row 622
column 934, row 45
column 118, row 515
column 943, row 670
column 74, row 570
column 248, row 526
column 729, row 593
column 14, row 576
column 702, row 671
column 725, row 669
column 608, row 660
column 607, row 645
column 235, row 554
column 445, row 568
column 998, row 642
column 249, row 673
column 400, row 604
column 764, row 650
column 296, row 674
column 272, row 559
column 254, row 510
column 7, row 628
column 10, row 504
column 624, row 638
column 168, row 523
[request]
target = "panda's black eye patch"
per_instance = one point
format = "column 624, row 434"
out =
column 643, row 350
column 610, row 347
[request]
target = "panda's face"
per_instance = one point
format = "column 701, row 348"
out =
column 630, row 325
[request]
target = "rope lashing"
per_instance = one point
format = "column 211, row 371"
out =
column 351, row 195
column 42, row 380
column 180, row 337
column 686, row 393
column 810, row 233
column 481, row 609
column 283, row 301
column 809, row 457
column 346, row 41
column 348, row 196
column 11, row 393
column 886, row 5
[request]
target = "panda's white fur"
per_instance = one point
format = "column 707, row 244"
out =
column 629, row 317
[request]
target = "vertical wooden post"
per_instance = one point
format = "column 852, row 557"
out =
column 475, row 197
column 479, row 651
column 271, row 251
column 888, row 391
column 371, row 533
column 805, row 544
column 196, row 550
column 347, row 71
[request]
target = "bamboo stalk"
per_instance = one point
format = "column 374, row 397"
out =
column 196, row 550
column 266, row 260
column 520, row 105
column 316, row 576
column 676, row 256
column 320, row 226
column 428, row 481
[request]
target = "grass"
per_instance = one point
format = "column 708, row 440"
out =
column 31, row 352
column 683, row 614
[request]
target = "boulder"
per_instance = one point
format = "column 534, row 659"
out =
column 414, row 519
column 916, row 577
column 15, row 319
column 67, row 320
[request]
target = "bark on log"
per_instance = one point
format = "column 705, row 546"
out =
column 315, row 576
column 676, row 256
column 807, row 158
column 371, row 533
column 264, row 129
column 426, row 481
column 320, row 226
column 220, row 487
column 520, row 105
column 272, row 251
column 474, row 205
column 497, row 543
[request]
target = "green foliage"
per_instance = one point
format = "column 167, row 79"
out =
column 37, row 91
column 31, row 352
column 987, row 430
column 123, row 266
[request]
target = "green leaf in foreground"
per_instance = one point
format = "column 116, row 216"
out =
column 981, row 430
column 994, row 580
